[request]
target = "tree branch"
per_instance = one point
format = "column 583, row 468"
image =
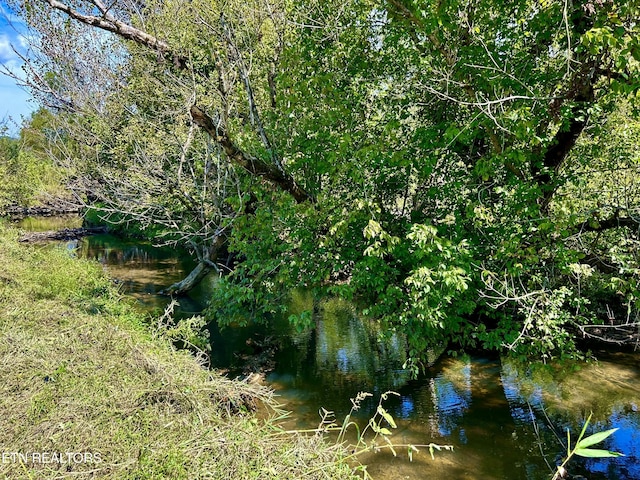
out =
column 615, row 221
column 273, row 173
column 563, row 142
column 252, row 164
column 109, row 23
column 254, row 114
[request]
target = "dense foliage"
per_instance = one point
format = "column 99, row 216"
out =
column 466, row 171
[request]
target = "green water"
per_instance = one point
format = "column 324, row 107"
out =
column 505, row 421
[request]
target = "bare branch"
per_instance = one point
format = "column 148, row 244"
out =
column 122, row 29
column 254, row 114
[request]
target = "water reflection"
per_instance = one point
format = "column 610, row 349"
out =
column 43, row 224
column 143, row 270
column 609, row 390
column 505, row 420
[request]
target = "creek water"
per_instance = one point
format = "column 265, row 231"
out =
column 506, row 421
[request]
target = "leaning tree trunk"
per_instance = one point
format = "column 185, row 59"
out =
column 206, row 263
column 194, row 278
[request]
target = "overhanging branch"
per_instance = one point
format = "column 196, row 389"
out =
column 253, row 165
column 109, row 23
column 273, row 173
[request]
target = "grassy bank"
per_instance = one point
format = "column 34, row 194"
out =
column 88, row 391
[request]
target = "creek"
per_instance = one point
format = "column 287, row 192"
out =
column 506, row 421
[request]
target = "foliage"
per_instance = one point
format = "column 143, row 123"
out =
column 28, row 174
column 581, row 448
column 378, row 424
column 465, row 171
column 374, row 436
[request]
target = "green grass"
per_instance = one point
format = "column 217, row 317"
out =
column 82, row 372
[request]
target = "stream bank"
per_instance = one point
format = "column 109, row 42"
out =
column 91, row 390
column 501, row 417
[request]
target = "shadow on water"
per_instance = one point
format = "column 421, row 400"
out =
column 506, row 421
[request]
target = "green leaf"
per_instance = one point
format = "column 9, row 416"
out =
column 410, row 450
column 390, row 446
column 582, row 432
column 373, row 229
column 595, row 453
column 387, row 416
column 595, row 438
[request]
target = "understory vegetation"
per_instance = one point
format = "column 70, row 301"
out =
column 29, row 176
column 83, row 373
column 466, row 172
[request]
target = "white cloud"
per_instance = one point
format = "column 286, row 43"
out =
column 6, row 52
column 12, row 31
column 14, row 100
column 24, row 41
column 9, row 61
column 8, row 16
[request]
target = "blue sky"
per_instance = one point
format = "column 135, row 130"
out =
column 14, row 101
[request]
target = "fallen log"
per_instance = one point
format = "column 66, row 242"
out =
column 64, row 234
column 45, row 209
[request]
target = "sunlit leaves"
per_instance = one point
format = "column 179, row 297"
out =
column 581, row 447
column 437, row 141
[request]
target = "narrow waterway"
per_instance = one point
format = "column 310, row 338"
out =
column 505, row 421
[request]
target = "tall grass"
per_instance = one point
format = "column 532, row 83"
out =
column 83, row 373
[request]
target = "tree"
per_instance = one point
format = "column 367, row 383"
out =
column 148, row 162
column 414, row 157
column 28, row 174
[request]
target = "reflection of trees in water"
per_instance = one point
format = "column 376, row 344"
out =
column 143, row 270
column 450, row 398
column 351, row 350
column 55, row 222
column 110, row 250
column 602, row 387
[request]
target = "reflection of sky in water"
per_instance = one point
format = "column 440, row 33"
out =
column 342, row 360
column 626, row 440
column 450, row 401
column 518, row 401
column 527, row 405
column 406, row 407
